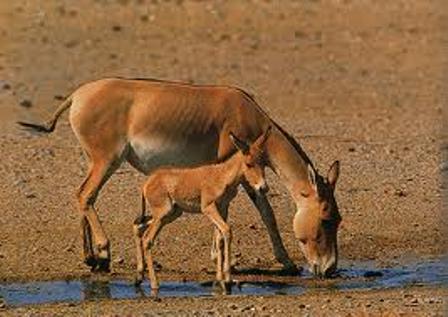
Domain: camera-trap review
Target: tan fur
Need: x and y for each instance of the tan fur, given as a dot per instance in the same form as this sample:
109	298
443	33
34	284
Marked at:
152	123
207	189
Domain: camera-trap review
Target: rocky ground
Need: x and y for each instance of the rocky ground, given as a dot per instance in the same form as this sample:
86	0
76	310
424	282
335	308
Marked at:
358	81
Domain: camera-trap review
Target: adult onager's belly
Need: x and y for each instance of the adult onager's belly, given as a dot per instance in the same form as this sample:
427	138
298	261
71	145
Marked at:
149	152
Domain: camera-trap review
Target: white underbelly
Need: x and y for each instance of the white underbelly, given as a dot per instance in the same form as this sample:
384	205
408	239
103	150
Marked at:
147	154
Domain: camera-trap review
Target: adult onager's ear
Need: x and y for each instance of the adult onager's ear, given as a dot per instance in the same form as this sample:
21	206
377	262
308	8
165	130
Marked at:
312	177
333	173
239	144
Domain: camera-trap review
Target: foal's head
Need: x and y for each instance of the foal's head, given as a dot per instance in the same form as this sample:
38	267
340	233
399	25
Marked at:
253	160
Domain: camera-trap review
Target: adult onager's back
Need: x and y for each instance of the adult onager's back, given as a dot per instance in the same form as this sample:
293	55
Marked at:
152	123
208	189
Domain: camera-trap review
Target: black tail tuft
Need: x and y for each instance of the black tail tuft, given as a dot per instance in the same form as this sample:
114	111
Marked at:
36	127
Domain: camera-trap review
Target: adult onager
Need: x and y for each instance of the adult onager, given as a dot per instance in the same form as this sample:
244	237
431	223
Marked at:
206	189
152	123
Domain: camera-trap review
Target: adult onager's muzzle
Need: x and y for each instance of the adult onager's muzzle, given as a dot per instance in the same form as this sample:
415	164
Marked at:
321	266
325	266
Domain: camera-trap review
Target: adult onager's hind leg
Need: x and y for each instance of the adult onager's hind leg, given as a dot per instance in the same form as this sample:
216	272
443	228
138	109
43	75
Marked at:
267	215
99	173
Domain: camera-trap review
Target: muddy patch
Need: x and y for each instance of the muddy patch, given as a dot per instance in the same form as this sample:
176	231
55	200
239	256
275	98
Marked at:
363	276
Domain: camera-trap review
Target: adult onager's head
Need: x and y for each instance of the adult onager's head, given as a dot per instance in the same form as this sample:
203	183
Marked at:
317	219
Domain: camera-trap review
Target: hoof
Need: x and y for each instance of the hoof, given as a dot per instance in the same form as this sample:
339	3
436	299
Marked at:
138	281
291	270
222	288
227	288
103	266
91	262
155	293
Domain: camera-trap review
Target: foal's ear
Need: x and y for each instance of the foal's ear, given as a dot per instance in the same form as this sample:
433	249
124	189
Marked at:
263	138
333	173
239	144
258	145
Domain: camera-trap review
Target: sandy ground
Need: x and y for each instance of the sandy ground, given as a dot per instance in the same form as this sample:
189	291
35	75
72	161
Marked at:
358	81
409	302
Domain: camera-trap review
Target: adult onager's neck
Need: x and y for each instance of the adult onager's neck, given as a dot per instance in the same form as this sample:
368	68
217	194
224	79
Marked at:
287	159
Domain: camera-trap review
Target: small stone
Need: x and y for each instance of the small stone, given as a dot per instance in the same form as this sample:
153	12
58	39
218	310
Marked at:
117	28
233	306
69	248
400	193
157	266
119	260
302	306
30	195
26	103
252	226
2	304
248	308
351	149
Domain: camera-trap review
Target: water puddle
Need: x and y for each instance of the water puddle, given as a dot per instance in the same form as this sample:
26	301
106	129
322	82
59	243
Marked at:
363	276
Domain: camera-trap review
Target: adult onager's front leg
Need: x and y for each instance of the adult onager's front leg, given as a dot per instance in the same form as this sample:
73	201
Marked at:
267	215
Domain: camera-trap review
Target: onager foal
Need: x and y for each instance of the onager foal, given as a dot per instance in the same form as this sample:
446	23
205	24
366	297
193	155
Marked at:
208	189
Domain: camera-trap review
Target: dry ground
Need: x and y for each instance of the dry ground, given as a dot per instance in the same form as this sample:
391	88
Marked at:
358	81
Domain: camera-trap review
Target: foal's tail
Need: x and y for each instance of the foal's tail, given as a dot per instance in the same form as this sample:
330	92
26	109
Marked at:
49	125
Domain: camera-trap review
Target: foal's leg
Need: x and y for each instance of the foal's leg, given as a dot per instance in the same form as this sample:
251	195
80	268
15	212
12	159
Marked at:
140	225
218	241
213	213
161	217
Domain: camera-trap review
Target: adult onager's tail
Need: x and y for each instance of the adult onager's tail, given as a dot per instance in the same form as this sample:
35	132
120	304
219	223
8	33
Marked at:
50	124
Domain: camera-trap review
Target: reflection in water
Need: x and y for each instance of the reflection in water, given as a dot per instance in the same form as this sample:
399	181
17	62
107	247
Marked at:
363	276
95	290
